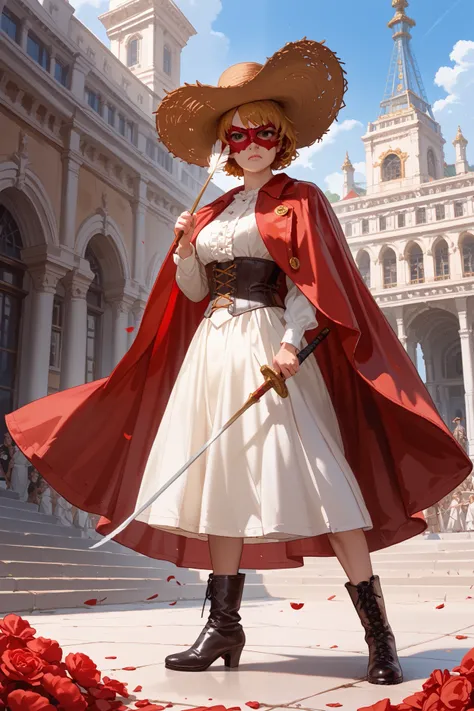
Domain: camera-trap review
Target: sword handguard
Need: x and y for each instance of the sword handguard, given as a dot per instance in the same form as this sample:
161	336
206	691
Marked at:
277	382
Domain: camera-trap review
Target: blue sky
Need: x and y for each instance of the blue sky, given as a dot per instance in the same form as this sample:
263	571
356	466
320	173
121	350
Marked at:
443	43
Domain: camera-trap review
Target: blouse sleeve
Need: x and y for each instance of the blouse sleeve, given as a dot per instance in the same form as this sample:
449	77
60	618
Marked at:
191	276
300	315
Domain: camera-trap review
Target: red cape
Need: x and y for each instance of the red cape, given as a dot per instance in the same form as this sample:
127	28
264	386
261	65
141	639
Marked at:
403	455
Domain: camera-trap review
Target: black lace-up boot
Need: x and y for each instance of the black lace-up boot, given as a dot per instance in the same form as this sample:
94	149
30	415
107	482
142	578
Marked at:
384	667
223	635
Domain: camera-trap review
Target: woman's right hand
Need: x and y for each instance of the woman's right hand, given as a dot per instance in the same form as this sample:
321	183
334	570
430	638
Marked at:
185	223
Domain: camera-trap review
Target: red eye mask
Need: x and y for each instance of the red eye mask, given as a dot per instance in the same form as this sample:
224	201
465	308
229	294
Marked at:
251	135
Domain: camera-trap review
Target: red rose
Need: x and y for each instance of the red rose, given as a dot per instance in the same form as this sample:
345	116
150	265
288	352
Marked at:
22	665
117	686
47	649
456	693
436	680
64	691
21	700
82	669
414	702
15	626
54	669
467	665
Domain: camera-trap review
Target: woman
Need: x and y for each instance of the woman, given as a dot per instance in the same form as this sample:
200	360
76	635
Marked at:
336	468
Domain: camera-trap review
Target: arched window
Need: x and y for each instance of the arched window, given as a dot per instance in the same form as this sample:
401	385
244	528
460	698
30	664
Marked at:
389	269
415	260
95	309
132	52
431	164
363	264
167	60
391	168
11	295
365	226
441	255
468	256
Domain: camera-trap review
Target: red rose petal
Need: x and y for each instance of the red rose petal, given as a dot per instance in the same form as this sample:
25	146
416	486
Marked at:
296	605
331	597
469	597
170	577
127	436
137	688
461	636
152	597
440	607
129	668
142	702
111	657
253	704
178	583
173	603
129	329
92	601
334	705
334	646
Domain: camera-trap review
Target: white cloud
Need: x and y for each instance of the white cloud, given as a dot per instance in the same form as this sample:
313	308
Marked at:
305	157
457	108
457	81
335	181
204	57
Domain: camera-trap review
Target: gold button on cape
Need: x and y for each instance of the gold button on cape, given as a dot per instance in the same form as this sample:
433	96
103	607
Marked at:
281	210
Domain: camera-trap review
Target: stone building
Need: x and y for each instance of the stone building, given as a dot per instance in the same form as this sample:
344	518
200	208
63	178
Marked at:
88	195
411	232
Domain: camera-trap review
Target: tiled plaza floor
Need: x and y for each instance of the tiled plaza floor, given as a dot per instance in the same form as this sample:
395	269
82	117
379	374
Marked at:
291	659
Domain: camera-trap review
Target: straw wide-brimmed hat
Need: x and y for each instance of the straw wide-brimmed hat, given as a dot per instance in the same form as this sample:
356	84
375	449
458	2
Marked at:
305	77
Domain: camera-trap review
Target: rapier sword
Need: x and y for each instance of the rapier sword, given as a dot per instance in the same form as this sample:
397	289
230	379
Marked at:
272	380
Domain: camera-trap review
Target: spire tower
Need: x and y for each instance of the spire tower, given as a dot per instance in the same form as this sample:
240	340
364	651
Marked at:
404	88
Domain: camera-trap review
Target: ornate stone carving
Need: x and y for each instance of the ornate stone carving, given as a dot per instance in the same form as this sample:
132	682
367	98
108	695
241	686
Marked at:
22	160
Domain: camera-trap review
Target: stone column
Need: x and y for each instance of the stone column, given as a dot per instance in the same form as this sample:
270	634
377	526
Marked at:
80	70
455	257
72	161
411	350
52	61
73	360
138	309
45	278
429	368
401	333
467	365
120	309
25	26
139	216
428	264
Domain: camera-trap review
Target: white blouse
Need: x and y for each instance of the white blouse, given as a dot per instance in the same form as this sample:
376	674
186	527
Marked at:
234	233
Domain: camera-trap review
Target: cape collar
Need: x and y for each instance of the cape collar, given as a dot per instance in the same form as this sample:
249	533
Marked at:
274	188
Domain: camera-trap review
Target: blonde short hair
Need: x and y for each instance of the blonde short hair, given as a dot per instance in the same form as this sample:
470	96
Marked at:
260	113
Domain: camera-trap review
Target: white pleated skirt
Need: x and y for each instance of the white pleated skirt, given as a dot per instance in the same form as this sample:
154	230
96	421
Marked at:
278	473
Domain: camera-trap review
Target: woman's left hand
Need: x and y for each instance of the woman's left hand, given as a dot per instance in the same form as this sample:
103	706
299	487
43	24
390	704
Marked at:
286	361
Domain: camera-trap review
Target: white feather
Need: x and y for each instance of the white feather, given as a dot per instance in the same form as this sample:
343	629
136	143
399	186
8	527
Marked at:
218	157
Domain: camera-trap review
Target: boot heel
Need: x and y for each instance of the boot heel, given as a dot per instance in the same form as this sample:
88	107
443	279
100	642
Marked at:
232	658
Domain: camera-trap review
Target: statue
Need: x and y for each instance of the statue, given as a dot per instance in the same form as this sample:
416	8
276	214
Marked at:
459	433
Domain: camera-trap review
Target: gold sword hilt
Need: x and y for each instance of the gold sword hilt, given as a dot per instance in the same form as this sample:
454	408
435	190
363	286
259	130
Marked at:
276	380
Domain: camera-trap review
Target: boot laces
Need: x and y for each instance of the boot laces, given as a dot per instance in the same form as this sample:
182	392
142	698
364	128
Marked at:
208	594
377	627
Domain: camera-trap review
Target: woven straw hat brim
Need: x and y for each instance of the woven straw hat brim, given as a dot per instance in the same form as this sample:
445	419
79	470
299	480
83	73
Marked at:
305	77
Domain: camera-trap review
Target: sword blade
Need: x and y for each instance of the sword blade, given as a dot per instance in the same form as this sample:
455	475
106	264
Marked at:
252	399
153	498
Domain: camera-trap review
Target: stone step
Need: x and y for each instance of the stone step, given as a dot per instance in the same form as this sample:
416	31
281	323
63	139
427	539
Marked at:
324	566
38	569
67	537
29	551
9	494
15	504
88	585
8	512
389	578
28	601
26	525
